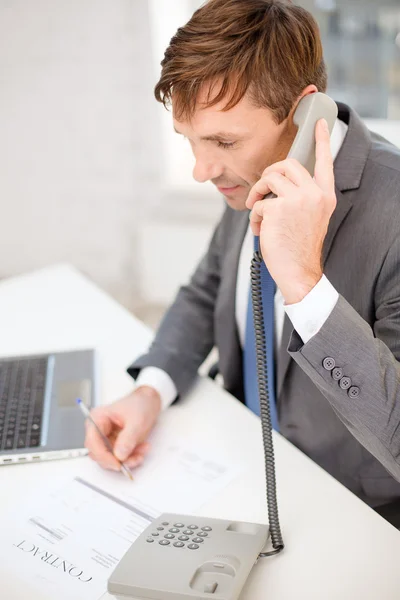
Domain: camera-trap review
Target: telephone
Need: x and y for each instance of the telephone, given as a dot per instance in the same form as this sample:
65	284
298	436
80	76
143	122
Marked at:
181	557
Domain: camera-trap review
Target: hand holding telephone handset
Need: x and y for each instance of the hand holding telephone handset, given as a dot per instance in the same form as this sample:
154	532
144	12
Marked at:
217	557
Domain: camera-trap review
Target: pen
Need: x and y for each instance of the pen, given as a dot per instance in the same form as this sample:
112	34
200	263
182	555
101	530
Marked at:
106	441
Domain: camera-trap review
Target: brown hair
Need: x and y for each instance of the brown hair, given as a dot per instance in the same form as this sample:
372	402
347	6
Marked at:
270	48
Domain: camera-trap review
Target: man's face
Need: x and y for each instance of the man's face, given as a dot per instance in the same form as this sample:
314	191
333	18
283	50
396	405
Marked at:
233	148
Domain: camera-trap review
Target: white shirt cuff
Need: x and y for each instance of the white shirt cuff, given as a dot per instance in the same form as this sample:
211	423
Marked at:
309	315
161	382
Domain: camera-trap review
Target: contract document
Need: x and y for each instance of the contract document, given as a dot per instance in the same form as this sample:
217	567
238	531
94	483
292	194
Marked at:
66	540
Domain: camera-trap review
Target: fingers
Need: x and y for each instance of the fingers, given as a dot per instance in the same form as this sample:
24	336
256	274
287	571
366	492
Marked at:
291	169
257	216
280	178
127	440
324	176
138	455
95	444
126	423
273	182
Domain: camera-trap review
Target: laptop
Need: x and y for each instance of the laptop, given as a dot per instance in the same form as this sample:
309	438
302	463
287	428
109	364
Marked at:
39	418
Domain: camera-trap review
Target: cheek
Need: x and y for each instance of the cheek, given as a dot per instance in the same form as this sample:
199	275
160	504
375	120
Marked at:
251	165
242	170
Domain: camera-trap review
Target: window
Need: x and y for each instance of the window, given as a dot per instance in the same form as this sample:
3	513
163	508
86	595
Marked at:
361	40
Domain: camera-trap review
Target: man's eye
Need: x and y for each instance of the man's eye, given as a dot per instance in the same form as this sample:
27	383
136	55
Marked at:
225	144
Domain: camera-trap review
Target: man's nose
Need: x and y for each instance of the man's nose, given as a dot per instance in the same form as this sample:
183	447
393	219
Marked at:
206	169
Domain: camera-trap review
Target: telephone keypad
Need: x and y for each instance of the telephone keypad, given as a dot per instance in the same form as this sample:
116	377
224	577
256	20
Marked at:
186	531
193	546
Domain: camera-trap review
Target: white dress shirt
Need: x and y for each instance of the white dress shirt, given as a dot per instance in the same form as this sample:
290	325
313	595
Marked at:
307	316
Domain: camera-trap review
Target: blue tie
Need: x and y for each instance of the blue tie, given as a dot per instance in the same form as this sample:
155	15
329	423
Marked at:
249	352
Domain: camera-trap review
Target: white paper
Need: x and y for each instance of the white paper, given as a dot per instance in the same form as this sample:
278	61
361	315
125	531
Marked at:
67	541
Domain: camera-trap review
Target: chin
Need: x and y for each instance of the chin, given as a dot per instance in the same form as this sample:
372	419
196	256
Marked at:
236	202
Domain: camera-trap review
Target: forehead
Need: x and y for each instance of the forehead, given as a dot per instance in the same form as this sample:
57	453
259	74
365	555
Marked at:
244	117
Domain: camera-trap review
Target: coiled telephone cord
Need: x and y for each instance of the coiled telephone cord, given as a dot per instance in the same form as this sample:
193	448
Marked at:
262	375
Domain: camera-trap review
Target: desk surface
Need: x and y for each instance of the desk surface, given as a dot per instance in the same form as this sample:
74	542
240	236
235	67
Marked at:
336	547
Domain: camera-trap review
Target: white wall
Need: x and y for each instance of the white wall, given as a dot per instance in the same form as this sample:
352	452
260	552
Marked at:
78	149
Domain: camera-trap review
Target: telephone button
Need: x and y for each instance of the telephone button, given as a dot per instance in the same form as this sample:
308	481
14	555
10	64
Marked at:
160	528
150	540
179	525
184	538
198	540
169	536
188	532
179	544
155	534
202	534
174	530
165	523
206	528
193	546
192	527
164	542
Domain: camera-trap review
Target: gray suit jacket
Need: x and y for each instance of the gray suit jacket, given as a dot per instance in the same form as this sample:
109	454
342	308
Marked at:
357	439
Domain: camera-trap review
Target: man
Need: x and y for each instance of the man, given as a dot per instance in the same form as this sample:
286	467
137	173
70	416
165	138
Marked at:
234	76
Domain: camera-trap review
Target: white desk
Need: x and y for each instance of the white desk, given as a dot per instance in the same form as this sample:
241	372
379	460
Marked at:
336	547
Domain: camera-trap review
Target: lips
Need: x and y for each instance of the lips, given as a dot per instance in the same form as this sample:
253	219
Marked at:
227	190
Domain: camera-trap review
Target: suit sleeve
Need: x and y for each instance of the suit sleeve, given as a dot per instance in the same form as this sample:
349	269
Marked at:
186	334
357	367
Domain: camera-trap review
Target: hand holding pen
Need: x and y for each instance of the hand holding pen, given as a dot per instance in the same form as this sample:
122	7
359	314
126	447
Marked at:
126	424
106	441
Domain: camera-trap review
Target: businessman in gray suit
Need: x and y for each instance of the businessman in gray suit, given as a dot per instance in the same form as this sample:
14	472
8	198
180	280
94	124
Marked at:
331	244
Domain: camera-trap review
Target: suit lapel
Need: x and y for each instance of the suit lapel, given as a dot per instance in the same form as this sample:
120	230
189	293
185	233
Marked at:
343	206
230	358
283	356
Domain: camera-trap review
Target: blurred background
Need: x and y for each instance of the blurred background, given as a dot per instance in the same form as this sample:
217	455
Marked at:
91	172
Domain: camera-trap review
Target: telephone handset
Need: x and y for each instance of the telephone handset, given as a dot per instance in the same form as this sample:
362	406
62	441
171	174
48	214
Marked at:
181	557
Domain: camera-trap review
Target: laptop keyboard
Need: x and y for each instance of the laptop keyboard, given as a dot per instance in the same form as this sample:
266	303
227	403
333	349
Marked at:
22	389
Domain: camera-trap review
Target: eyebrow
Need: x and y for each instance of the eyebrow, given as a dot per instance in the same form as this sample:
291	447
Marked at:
216	137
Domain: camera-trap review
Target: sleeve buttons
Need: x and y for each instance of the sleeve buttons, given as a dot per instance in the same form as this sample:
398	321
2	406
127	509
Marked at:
354	391
345	383
329	363
337	373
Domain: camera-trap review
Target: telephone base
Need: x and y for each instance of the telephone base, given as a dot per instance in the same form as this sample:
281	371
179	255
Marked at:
181	557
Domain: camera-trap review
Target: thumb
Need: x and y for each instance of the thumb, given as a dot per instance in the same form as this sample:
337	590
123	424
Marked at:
126	442
323	173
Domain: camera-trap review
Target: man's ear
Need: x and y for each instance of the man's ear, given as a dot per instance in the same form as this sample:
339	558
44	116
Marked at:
310	89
